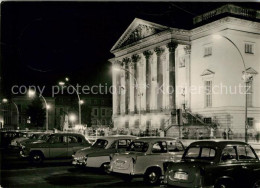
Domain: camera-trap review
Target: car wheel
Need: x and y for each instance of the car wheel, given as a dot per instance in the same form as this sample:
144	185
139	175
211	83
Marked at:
257	184
105	168
36	157
152	176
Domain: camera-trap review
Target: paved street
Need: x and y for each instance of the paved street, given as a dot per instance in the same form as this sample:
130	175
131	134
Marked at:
19	173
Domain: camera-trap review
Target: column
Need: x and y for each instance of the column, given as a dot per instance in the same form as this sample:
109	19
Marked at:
148	55
159	91
122	89
118	86
172	92
114	91
135	60
131	88
127	84
187	50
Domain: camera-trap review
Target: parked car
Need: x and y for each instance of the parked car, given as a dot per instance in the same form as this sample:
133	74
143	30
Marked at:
36	138
59	145
98	155
145	157
6	137
215	164
25	136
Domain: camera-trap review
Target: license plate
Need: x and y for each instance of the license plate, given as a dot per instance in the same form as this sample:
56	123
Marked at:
181	176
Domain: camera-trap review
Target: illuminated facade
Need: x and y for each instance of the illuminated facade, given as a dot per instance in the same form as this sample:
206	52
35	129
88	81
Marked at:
159	69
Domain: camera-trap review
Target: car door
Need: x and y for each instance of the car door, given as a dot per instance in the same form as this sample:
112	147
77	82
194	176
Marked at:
59	146
249	165
229	166
75	143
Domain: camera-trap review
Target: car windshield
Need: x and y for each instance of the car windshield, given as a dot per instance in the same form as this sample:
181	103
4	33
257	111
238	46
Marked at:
202	153
138	146
100	143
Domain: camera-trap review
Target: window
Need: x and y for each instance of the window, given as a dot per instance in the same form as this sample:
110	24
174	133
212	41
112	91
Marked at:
95	102
245	152
72	139
250	122
207	51
207	120
174	146
159	147
122	144
193	153
103	112
207	153
228	154
95	112
249	48
137	124
208	93
102	102
249	90
127	125
138	147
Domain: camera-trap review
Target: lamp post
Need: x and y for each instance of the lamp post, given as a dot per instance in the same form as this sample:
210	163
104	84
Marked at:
17	110
246	77
80	102
116	68
32	93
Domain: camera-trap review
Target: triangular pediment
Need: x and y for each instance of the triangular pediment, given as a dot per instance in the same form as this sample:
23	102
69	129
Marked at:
138	30
250	70
207	72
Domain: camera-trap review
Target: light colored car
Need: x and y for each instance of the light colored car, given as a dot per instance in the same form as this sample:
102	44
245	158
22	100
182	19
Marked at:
145	157
36	138
98	155
59	145
23	136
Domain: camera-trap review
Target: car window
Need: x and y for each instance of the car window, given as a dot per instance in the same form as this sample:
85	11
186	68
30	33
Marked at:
229	154
207	153
193	152
58	139
159	147
138	146
113	146
122	144
174	146
72	139
100	143
245	152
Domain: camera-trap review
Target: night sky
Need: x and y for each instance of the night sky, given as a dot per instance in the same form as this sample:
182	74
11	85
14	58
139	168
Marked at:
43	42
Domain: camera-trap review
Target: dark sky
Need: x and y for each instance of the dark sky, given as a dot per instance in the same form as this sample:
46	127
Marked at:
43	42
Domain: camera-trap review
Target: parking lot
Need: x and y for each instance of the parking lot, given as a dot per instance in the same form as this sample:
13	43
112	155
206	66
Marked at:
16	172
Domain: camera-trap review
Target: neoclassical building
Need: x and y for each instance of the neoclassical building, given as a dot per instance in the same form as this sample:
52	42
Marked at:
158	69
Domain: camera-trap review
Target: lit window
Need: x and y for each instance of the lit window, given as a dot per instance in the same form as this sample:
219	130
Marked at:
207	51
208	93
249	48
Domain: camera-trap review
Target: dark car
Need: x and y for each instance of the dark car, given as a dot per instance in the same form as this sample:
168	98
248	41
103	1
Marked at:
215	164
59	145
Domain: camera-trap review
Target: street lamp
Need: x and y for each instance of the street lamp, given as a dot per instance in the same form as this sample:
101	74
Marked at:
80	102
31	94
247	77
116	68
17	110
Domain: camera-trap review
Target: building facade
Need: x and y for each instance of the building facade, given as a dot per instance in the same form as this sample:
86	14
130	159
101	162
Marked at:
15	116
158	69
96	111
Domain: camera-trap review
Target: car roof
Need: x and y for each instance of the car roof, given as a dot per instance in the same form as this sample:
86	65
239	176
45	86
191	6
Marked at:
114	137
219	143
71	134
155	139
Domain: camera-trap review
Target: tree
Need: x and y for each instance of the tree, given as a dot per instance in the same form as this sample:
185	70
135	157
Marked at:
36	112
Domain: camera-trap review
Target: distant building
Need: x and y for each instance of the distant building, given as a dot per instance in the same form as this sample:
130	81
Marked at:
96	111
165	68
10	113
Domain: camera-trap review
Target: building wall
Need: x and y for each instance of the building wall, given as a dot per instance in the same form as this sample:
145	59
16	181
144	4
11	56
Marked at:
228	86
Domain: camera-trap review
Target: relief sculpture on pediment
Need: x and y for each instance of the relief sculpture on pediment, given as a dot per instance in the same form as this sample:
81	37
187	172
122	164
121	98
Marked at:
139	33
